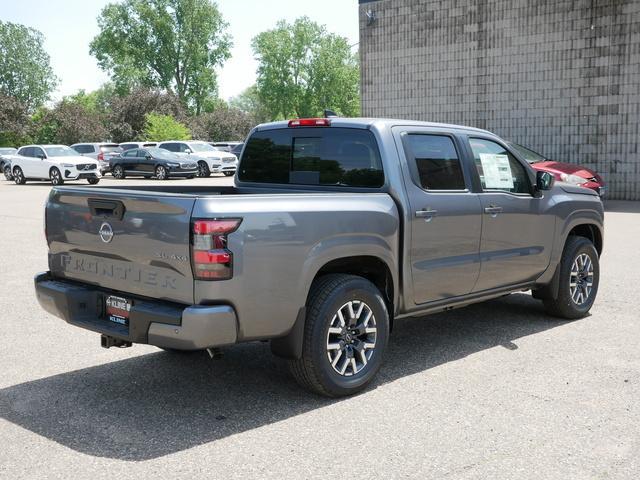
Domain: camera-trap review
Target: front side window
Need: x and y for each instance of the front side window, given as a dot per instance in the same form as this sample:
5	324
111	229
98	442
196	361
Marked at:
131	152
39	153
436	161
327	156
498	169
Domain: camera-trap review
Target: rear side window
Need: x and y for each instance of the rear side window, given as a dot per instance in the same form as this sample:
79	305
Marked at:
436	161
313	156
83	148
172	147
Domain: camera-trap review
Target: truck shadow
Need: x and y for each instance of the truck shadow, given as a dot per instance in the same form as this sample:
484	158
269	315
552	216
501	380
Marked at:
161	403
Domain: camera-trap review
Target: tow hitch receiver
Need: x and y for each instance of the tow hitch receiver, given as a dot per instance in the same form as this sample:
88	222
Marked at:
108	342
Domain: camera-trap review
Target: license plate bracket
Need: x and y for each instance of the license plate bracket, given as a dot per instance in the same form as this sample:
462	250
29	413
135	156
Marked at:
117	310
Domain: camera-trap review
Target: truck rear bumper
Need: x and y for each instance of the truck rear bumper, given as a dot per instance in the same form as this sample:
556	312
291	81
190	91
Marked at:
163	324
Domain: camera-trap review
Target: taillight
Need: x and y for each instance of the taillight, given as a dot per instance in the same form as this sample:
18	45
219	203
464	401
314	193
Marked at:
310	122
101	157
210	257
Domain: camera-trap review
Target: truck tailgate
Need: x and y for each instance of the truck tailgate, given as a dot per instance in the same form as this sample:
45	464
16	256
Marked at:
129	241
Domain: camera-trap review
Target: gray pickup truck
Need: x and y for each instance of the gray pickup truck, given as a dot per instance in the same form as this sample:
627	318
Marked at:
334	228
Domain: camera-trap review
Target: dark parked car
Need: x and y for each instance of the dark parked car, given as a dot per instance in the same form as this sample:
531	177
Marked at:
562	171
152	162
5	161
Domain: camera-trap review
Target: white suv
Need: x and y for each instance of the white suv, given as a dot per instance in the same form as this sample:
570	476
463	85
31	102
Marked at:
210	160
57	163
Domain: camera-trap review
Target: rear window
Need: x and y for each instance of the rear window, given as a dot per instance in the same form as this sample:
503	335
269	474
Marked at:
110	148
313	156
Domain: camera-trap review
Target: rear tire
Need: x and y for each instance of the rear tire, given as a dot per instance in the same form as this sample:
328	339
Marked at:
118	172
56	177
579	280
93	181
7	173
203	169
18	176
345	336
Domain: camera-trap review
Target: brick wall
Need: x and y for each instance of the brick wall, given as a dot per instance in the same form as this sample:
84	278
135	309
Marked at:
562	77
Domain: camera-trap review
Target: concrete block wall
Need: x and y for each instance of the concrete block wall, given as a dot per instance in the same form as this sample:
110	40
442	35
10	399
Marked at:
561	76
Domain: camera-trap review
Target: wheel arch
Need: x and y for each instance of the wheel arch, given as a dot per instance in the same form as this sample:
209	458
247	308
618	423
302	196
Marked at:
372	267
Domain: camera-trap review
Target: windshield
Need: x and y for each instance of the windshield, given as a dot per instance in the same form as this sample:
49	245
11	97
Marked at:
201	147
529	155
61	151
161	153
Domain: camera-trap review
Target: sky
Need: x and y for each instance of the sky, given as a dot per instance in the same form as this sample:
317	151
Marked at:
70	25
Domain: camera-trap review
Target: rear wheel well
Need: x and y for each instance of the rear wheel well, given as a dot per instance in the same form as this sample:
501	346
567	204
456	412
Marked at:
372	268
589	232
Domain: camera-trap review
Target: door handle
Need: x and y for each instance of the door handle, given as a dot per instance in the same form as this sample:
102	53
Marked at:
493	210
426	213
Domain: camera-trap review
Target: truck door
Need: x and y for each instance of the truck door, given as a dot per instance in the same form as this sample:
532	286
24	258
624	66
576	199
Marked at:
445	225
516	235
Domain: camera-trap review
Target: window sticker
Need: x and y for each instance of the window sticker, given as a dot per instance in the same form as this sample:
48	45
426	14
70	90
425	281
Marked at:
497	171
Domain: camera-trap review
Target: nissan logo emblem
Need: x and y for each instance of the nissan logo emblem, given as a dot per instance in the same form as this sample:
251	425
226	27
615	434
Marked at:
106	232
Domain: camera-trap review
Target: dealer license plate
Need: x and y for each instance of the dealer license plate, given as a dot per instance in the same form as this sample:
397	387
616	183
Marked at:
117	310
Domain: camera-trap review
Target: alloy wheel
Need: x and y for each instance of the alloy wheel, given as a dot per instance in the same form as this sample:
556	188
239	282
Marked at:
581	279
351	339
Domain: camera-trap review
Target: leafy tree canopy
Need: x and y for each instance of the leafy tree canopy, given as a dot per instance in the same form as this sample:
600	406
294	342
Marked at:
174	45
303	69
25	72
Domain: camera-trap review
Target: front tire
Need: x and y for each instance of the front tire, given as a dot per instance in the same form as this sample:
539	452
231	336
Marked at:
579	280
118	172
56	177
93	181
18	176
161	173
203	169
345	336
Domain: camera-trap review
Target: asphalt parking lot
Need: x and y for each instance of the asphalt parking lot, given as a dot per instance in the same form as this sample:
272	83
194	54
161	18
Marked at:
496	390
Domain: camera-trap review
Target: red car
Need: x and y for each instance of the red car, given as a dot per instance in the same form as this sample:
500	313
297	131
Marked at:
563	172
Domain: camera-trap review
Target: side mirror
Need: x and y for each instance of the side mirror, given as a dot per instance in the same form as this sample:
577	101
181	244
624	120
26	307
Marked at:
188	150
41	156
149	157
544	181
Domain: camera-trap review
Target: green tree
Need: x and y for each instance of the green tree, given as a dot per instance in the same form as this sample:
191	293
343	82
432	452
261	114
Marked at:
127	114
223	124
249	102
159	128
14	122
25	72
303	69
69	122
174	45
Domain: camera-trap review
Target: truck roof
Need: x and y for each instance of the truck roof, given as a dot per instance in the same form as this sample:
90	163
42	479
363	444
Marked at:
379	122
